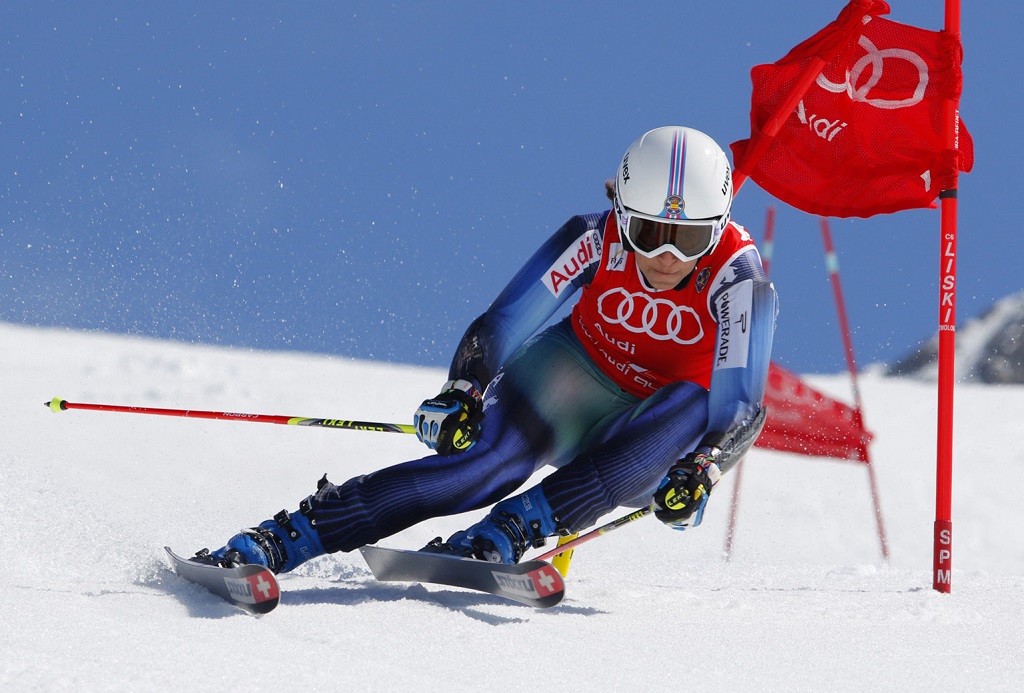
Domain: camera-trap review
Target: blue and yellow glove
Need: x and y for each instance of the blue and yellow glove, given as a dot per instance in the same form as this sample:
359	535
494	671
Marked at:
450	422
680	499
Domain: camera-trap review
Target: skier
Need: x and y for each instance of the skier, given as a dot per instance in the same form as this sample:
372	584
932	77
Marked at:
643	396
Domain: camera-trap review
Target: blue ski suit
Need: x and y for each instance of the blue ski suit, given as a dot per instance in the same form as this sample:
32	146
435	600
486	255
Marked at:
577	397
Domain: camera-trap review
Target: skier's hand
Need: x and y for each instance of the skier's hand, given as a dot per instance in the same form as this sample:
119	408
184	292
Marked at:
680	499
450	422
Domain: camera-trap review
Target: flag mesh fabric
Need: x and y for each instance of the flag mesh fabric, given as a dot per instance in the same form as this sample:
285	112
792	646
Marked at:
867	137
807	422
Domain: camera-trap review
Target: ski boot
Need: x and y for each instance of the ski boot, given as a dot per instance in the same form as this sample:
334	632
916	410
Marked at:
513	526
280	544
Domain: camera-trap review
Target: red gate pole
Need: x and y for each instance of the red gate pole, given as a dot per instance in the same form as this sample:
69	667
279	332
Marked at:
943	531
832	264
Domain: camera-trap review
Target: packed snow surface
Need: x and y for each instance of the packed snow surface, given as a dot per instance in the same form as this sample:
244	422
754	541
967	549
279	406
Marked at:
805	603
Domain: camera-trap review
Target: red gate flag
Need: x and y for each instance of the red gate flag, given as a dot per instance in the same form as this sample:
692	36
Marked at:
804	421
867	136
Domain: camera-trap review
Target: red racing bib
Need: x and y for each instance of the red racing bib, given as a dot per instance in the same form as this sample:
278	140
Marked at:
642	338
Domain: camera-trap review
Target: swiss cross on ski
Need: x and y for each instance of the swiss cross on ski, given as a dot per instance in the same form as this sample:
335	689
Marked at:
536	584
252	589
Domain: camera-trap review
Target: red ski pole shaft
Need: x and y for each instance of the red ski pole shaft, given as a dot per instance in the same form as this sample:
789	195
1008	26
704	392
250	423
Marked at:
57	405
595	533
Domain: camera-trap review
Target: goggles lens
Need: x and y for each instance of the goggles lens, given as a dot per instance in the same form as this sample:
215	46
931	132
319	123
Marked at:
650	237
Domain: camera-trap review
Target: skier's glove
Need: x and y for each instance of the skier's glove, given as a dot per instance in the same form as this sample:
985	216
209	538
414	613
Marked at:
450	422
680	499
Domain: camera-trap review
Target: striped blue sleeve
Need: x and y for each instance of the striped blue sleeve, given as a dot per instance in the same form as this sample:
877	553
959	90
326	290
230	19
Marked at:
746	306
566	262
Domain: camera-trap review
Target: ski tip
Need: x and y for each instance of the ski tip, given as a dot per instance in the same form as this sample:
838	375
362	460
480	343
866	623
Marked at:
548	584
532	583
251	588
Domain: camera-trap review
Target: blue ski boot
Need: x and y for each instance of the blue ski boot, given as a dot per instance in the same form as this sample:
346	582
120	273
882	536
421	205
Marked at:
513	526
280	544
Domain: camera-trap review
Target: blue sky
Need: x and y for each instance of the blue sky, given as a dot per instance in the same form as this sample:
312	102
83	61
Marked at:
362	178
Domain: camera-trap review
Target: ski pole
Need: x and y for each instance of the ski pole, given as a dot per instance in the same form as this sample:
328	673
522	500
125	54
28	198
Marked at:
595	533
57	405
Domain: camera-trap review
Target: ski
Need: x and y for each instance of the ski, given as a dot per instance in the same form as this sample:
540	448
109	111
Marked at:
533	583
249	587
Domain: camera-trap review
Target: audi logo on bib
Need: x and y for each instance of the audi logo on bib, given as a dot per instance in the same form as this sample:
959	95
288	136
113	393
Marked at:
658	318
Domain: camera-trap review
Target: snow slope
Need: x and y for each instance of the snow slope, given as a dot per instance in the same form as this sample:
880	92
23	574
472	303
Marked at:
87	601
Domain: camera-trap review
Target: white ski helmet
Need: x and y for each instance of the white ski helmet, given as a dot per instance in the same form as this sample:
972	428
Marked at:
673	192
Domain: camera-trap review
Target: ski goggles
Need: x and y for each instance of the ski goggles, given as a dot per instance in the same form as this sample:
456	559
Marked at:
687	239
